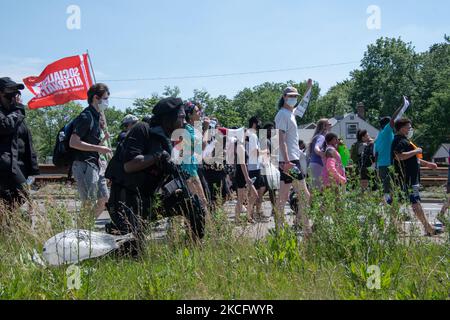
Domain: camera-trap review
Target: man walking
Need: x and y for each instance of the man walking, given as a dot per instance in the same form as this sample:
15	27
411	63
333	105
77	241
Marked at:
290	168
86	140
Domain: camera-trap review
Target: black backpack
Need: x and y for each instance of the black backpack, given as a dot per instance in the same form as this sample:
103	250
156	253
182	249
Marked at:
367	157
63	154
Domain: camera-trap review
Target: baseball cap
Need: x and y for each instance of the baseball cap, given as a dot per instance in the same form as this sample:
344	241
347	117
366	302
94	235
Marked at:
129	118
167	105
291	91
7	84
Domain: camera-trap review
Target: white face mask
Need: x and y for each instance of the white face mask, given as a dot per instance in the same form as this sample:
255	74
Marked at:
410	133
103	104
291	102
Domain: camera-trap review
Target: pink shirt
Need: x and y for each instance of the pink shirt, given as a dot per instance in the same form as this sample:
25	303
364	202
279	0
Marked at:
333	169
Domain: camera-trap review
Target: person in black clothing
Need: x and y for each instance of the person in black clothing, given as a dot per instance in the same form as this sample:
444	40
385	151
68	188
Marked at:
147	147
363	157
86	141
146	162
213	168
127	123
268	151
18	160
407	166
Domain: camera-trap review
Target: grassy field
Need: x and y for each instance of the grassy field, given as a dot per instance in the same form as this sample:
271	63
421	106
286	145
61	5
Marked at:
352	233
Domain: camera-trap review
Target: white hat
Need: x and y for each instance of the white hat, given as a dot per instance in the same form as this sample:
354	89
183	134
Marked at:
129	118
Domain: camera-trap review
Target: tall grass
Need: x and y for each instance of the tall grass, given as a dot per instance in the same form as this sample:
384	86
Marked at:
352	231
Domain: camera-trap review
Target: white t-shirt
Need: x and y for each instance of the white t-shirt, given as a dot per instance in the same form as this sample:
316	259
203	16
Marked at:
285	121
303	163
253	151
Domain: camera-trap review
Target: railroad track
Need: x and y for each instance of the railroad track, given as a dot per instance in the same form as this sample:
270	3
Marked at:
50	173
433	178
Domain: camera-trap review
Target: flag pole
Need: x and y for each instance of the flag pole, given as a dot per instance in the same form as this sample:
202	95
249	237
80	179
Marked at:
108	141
90	64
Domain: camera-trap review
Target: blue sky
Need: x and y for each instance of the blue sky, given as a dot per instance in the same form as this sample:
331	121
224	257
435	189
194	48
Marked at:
147	39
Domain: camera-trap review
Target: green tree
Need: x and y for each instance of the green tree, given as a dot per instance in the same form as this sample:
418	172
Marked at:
171	92
143	106
114	119
225	112
387	72
45	124
204	98
432	120
337	101
263	100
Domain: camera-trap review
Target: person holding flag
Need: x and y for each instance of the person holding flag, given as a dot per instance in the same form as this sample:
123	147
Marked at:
86	140
63	81
383	145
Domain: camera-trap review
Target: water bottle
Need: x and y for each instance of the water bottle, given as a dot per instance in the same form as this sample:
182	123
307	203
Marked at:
30	181
62	135
295	173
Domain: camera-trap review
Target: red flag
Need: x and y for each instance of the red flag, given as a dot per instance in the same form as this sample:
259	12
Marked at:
62	81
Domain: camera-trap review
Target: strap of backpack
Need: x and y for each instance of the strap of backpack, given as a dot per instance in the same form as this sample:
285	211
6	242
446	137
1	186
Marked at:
91	126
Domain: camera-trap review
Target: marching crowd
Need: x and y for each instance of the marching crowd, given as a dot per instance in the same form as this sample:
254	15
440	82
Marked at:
191	163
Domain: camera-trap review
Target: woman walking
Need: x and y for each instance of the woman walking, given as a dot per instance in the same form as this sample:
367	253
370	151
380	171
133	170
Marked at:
317	154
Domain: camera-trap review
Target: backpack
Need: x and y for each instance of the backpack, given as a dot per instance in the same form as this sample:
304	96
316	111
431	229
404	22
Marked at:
354	154
63	154
367	157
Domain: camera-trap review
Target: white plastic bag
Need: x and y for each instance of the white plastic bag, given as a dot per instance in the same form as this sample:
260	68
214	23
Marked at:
73	246
273	175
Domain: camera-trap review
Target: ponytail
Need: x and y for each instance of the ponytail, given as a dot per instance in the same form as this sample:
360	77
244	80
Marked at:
281	102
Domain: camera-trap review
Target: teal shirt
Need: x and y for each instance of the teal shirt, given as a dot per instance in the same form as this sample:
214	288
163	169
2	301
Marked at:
383	146
189	163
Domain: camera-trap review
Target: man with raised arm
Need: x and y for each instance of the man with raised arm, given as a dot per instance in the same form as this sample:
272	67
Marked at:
289	157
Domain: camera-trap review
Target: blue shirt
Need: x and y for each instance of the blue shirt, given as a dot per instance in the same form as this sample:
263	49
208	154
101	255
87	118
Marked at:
317	142
189	164
383	146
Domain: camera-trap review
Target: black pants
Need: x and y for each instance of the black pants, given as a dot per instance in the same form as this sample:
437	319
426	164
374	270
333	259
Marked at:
128	209
217	184
13	191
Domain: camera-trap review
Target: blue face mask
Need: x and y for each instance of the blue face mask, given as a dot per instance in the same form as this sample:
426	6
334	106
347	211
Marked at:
292	102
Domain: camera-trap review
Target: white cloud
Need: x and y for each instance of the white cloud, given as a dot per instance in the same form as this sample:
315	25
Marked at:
18	68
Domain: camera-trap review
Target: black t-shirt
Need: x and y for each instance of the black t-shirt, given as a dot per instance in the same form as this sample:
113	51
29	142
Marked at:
407	170
121	136
145	140
88	119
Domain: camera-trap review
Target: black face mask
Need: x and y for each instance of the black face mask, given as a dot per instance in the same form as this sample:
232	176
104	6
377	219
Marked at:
11	97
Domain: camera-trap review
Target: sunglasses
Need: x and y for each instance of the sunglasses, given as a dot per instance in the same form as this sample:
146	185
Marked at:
11	95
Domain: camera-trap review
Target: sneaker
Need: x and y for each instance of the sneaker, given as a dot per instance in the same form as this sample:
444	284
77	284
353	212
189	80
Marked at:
260	217
441	218
436	231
